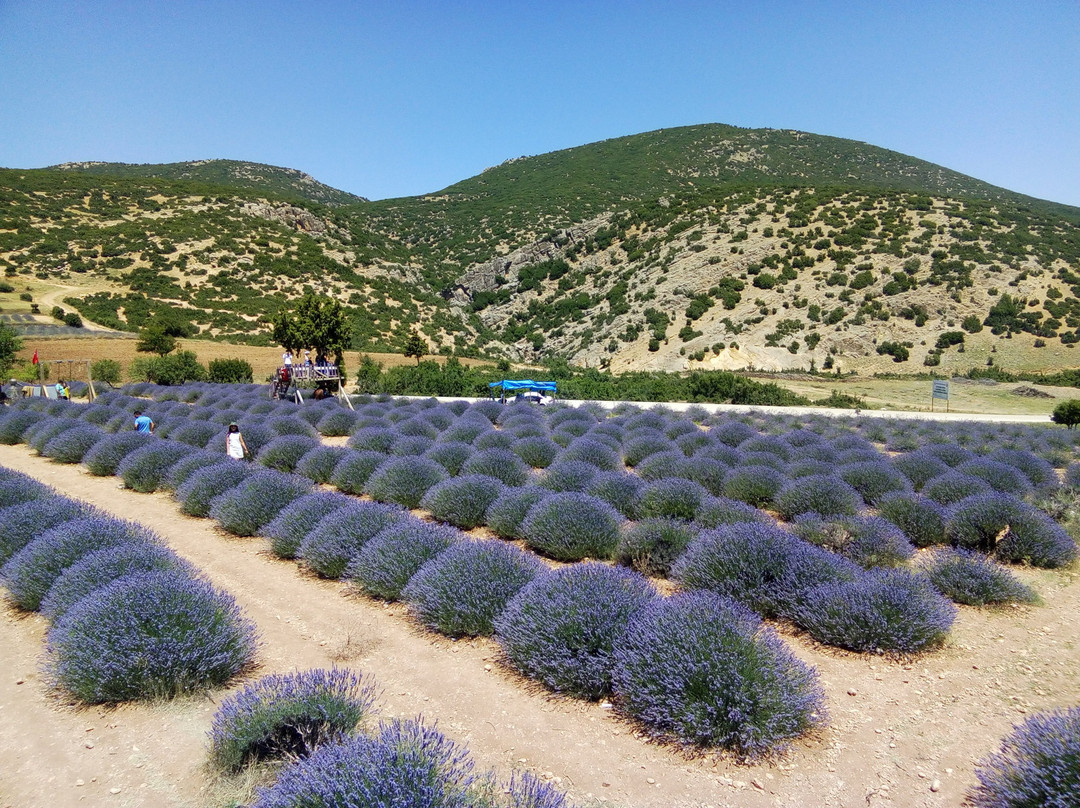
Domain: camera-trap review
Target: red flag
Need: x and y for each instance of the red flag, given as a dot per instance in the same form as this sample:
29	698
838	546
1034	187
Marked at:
34	361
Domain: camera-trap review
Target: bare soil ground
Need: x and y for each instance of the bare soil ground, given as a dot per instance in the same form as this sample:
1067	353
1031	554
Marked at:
901	732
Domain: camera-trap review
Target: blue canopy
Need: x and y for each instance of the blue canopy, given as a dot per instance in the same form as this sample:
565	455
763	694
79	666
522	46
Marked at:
524	384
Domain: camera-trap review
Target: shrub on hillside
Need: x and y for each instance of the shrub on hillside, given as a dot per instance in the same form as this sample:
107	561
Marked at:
353	471
32	570
572	526
292	523
149	635
505	515
562	628
703	670
20	524
337	539
256	500
920	519
102	567
287	717
881	610
461	591
229	371
462	501
974	580
822	494
106	455
385	564
146	468
1037	765
652	545
404	480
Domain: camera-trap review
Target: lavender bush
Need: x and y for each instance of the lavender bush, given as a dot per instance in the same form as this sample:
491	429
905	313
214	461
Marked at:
30	572
594	452
869	541
204	484
821	494
102	567
1034	538
1039	472
406	764
14	423
920	519
505	514
1038	765
672	498
106	455
149	635
618	489
337	423
873	479
758	565
256	500
755	485
198	434
999	476
284	452
72	445
562	628
338	537
319	462
404	480
974	580
145	469
665	464
882	610
354	470
385	564
20	524
571	526
289	716
19	489
292	523
652	545
461	591
373	439
571	475
641	446
703	670
462	501
502	464
538	451
950	488
718	511
451	456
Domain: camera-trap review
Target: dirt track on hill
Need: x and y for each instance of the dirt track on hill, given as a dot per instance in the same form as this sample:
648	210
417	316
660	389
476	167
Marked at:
901	733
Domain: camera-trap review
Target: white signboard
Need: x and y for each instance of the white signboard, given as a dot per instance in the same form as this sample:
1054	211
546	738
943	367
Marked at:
941	389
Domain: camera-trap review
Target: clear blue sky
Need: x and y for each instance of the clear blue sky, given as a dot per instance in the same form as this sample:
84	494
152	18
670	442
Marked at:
404	97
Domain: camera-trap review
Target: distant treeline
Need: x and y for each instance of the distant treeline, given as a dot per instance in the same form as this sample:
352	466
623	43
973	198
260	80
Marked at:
452	378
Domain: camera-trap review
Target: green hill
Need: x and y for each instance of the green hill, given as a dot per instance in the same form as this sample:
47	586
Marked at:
705	246
285	182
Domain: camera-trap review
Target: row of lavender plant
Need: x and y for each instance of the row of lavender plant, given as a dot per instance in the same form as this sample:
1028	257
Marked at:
129	619
553	625
321	724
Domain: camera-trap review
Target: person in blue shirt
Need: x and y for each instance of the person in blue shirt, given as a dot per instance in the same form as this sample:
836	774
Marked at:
143	423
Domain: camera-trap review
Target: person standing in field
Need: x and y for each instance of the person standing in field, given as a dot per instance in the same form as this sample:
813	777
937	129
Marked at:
143	423
234	443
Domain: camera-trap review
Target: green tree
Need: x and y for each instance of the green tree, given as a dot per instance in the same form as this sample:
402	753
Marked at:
106	370
230	371
10	344
369	376
314	322
1067	413
153	339
416	346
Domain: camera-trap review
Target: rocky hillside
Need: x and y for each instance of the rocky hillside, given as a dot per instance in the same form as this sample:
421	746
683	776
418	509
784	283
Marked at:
702	246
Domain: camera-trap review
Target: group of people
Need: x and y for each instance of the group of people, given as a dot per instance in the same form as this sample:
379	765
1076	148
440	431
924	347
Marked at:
235	447
63	392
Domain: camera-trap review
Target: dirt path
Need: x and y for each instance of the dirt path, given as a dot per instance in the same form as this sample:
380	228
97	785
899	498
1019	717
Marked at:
900	734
